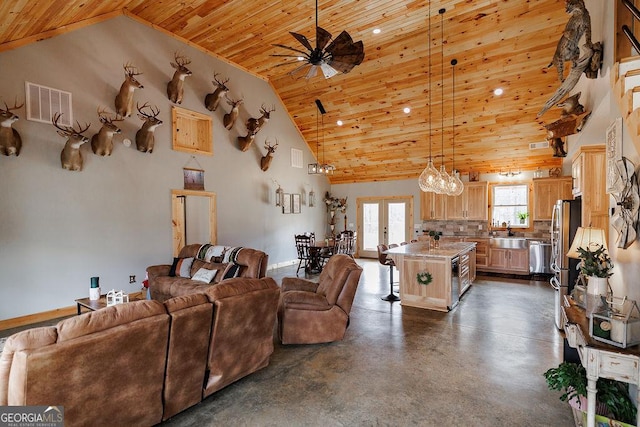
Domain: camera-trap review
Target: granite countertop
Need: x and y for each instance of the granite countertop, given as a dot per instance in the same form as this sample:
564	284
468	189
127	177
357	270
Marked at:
421	249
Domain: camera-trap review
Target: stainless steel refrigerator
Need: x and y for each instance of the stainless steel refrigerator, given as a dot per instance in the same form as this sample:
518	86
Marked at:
565	220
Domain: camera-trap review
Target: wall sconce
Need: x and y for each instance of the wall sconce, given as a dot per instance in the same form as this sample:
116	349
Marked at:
279	194
312	198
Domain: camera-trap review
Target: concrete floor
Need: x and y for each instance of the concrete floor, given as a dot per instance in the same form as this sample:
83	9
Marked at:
478	365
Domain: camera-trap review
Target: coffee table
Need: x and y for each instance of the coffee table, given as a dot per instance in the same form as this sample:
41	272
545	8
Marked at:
93	305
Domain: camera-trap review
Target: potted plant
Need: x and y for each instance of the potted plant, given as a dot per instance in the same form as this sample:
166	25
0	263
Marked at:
596	266
612	397
522	216
435	235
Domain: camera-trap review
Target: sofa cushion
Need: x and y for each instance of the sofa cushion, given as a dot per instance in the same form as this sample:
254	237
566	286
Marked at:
181	267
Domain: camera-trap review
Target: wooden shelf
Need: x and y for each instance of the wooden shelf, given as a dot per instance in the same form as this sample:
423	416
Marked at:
192	131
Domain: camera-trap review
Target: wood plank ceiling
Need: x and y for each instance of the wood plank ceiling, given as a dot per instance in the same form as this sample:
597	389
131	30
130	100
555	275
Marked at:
501	43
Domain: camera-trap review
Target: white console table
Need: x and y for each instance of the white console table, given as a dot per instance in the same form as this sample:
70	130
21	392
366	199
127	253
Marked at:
599	359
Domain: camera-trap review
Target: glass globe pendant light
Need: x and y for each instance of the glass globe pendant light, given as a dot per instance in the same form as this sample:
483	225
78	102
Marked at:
442	184
455	184
429	176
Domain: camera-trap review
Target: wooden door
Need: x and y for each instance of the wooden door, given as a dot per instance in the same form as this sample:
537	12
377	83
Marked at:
498	258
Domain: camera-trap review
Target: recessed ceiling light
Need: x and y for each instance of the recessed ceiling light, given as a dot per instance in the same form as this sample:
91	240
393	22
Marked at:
406	110
498	91
377	31
339	122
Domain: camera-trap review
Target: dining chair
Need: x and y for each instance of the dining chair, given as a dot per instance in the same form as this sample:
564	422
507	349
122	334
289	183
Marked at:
303	242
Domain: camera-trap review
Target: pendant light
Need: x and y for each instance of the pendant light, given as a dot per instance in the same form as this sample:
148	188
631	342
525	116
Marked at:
442	184
456	186
320	168
429	175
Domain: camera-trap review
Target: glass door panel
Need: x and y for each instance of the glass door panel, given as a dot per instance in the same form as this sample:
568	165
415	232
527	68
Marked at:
383	220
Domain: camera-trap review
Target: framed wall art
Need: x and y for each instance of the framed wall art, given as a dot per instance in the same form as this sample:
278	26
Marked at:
613	149
193	179
286	203
295	203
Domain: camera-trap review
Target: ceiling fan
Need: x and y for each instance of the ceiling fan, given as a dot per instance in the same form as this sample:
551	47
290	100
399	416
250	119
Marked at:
339	56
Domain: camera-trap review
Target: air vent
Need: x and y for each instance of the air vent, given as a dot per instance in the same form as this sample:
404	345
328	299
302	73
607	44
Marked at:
43	102
296	158
538	145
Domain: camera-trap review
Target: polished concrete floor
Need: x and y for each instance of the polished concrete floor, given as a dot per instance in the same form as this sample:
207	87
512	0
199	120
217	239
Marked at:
478	365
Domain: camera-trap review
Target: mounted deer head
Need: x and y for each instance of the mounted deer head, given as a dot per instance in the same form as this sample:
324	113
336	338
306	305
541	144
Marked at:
212	100
10	141
175	88
71	157
124	98
229	119
265	161
244	142
102	142
144	137
254	125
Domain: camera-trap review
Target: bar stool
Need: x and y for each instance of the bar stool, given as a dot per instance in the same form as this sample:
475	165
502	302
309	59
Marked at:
385	260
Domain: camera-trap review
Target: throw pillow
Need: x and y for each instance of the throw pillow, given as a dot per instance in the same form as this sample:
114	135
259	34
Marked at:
181	267
232	270
204	275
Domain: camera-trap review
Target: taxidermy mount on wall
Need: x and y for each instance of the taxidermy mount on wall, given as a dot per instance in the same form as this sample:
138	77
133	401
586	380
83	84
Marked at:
10	141
71	157
145	136
175	88
124	98
212	100
102	142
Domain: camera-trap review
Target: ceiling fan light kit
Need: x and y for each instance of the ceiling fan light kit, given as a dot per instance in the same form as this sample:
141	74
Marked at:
320	168
339	55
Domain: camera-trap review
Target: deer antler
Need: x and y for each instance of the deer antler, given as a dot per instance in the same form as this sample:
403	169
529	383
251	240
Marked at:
233	102
104	117
265	111
68	130
271	148
154	113
220	82
15	105
131	70
181	60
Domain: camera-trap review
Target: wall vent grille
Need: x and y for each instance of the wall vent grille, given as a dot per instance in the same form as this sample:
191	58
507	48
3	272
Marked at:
538	145
296	158
43	102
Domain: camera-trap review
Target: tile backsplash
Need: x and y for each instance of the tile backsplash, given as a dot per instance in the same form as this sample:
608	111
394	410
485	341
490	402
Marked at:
541	229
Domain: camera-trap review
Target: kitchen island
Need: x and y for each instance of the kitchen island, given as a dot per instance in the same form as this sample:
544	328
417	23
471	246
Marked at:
434	278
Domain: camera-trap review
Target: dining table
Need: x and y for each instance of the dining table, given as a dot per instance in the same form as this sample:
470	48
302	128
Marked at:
316	255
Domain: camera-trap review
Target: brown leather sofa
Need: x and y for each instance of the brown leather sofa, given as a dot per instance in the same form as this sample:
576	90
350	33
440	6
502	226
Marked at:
251	263
142	362
309	312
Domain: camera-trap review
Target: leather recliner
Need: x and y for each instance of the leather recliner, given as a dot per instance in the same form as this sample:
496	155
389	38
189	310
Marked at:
309	312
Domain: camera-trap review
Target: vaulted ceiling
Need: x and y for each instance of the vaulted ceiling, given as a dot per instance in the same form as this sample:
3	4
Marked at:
500	43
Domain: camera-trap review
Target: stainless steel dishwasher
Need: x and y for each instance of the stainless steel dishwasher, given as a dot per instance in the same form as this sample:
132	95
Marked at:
539	257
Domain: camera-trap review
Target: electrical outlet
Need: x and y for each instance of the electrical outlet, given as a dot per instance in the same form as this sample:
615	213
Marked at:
480	227
132	278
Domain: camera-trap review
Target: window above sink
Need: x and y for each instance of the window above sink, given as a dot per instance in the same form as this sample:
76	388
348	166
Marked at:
510	206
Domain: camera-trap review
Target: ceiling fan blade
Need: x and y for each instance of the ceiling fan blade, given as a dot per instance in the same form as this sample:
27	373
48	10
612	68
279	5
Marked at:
295	61
297	69
322	38
302	39
293	49
312	72
328	70
345	54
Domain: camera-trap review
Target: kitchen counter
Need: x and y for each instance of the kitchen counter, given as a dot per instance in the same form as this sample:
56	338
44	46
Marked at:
428	276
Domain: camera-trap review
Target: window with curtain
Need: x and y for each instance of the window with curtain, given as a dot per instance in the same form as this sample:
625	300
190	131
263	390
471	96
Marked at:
510	206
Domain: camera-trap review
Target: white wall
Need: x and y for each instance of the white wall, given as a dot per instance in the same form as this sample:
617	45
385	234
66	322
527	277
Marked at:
59	228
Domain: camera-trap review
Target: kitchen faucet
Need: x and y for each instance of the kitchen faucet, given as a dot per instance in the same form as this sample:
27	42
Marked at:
510	233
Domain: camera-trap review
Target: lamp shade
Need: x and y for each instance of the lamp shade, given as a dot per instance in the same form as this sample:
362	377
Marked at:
587	238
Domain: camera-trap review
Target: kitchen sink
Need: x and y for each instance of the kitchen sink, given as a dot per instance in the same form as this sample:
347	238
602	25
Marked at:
508	242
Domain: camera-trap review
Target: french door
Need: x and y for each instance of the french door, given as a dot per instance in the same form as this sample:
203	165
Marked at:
383	220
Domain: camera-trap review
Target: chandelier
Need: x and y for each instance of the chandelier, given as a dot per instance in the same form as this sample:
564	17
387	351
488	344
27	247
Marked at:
432	180
320	168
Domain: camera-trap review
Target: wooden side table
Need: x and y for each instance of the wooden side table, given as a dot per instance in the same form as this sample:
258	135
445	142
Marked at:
599	359
93	305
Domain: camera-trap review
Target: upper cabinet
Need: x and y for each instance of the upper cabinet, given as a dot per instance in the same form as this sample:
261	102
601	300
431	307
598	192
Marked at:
589	179
471	204
431	206
546	191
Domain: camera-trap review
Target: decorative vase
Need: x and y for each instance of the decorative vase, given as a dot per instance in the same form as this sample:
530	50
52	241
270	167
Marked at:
597	285
436	243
